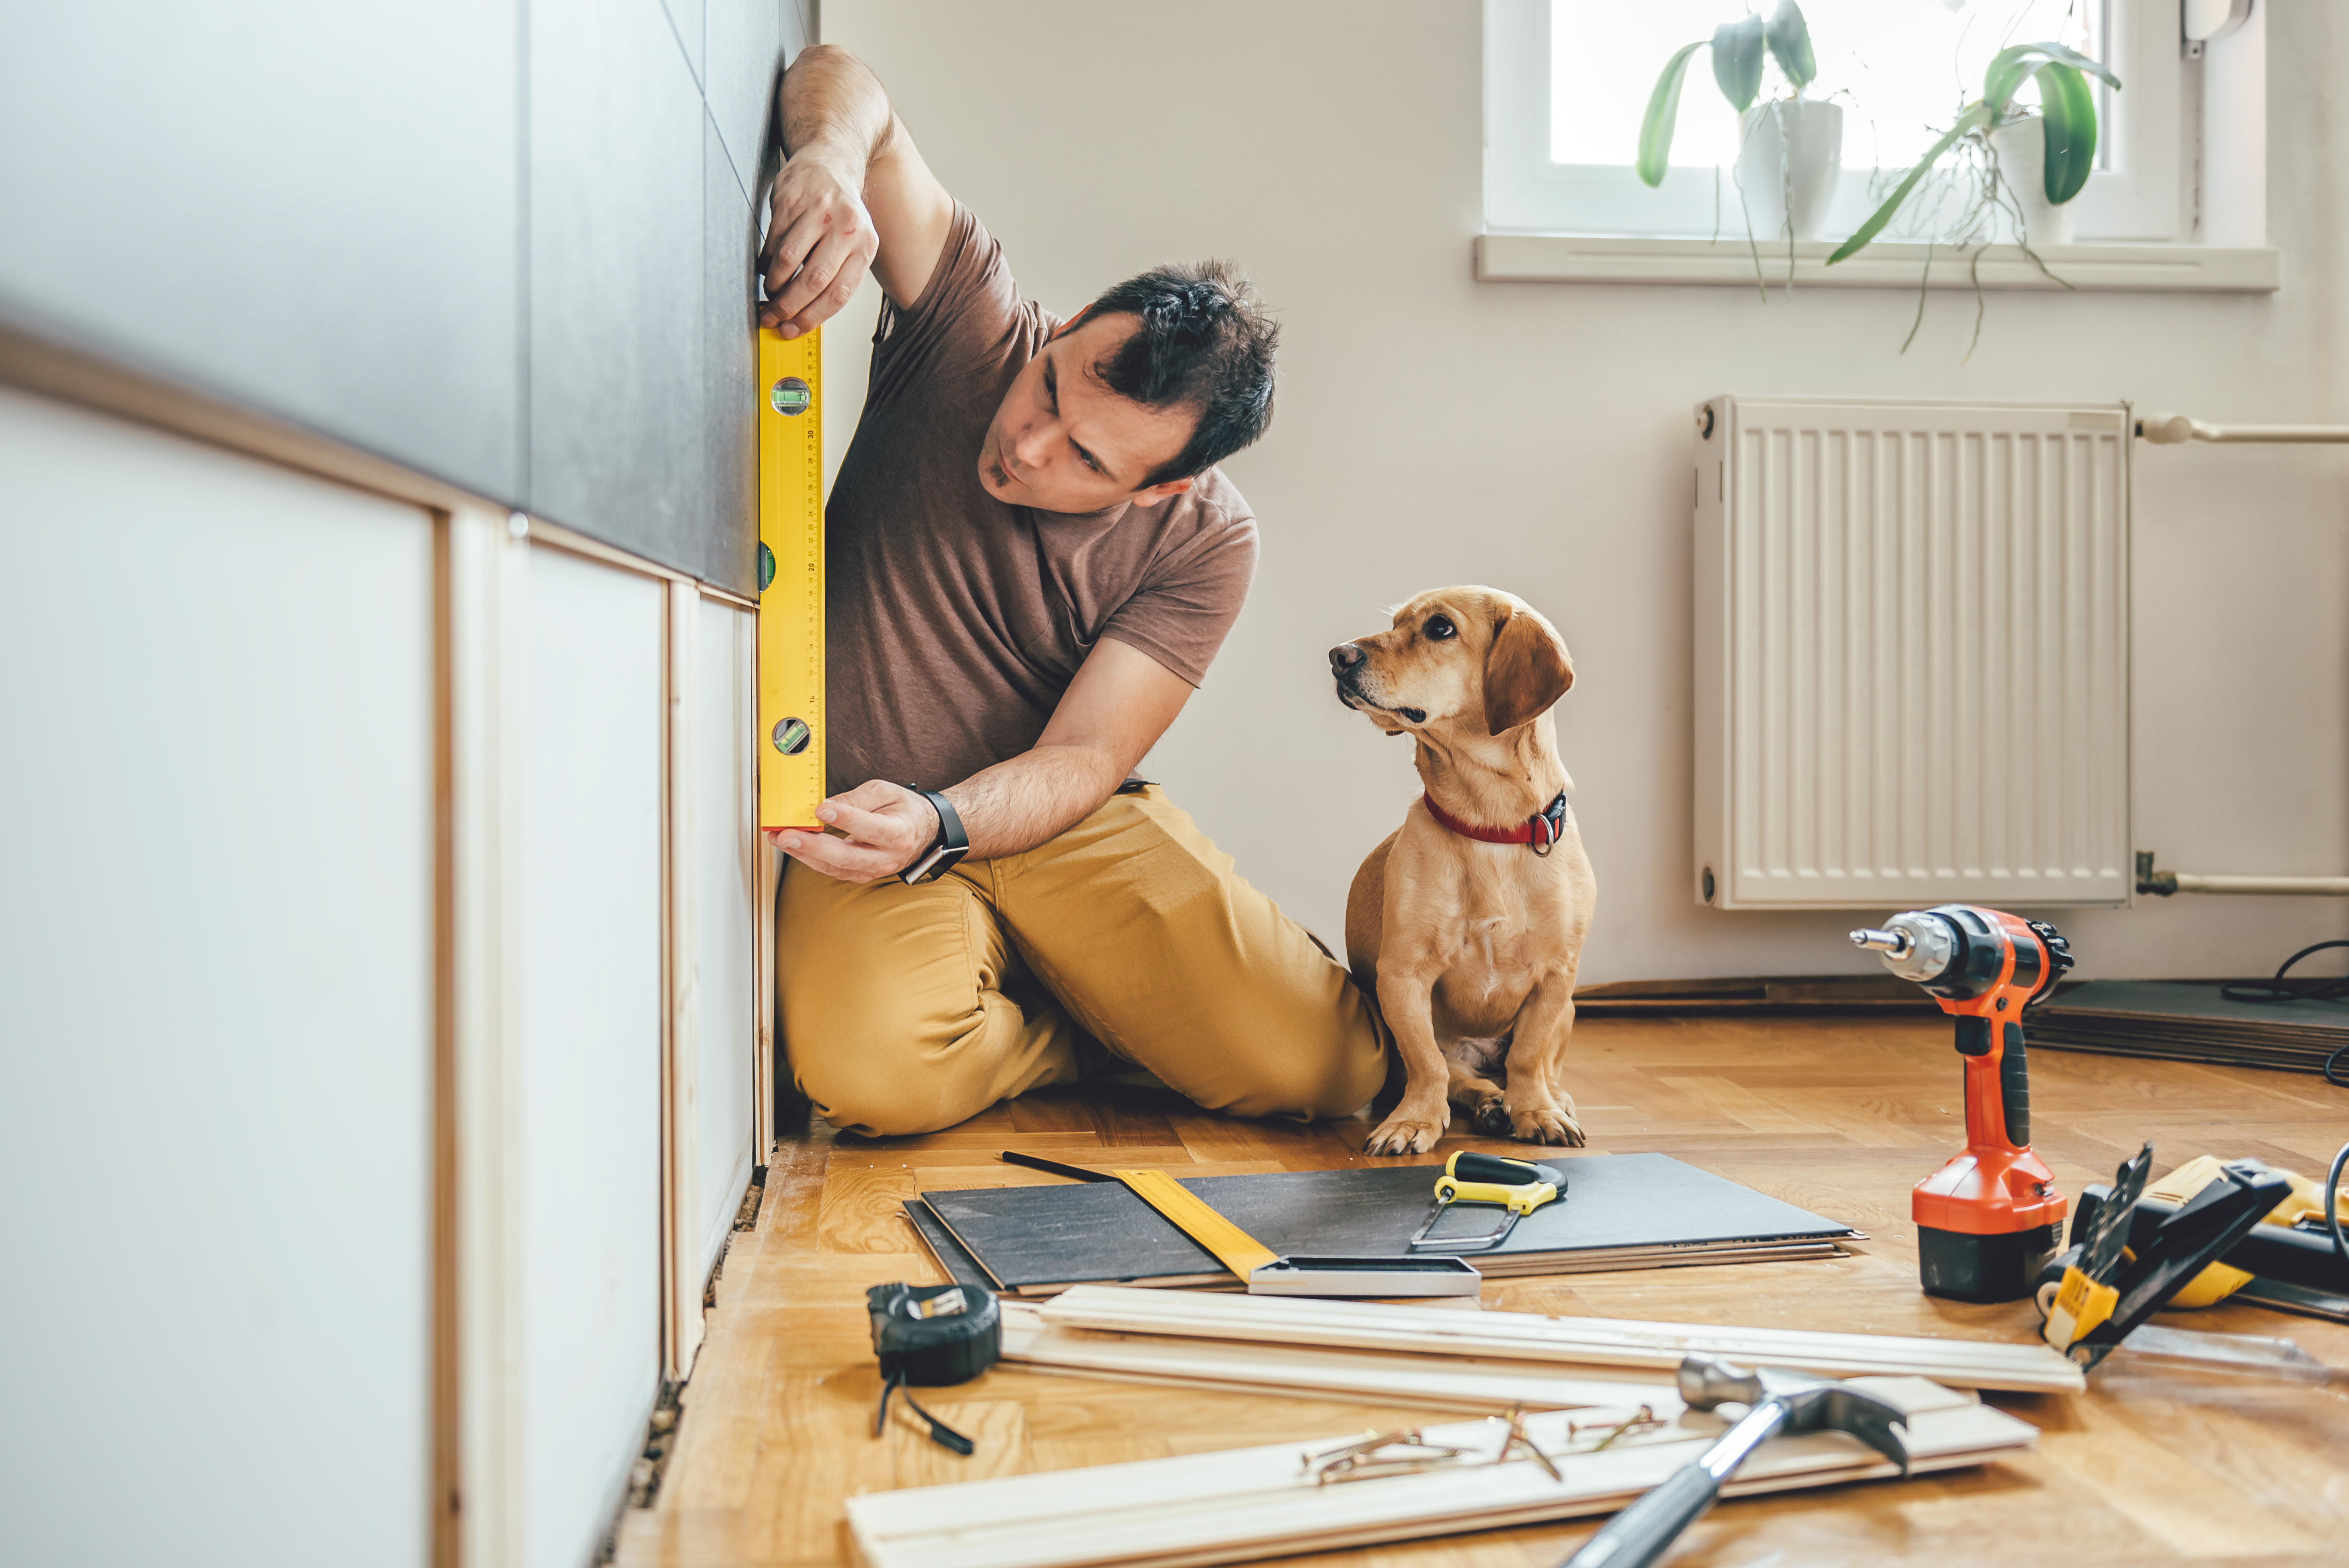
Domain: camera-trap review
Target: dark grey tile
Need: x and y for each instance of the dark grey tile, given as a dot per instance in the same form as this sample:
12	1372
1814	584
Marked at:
745	56
615	269
310	210
730	427
686	16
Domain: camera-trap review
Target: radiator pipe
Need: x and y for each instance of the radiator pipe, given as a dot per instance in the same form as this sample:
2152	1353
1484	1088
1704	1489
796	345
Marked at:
2175	430
2162	884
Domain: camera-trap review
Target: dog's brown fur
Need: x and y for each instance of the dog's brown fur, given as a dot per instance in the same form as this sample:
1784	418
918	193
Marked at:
1459	939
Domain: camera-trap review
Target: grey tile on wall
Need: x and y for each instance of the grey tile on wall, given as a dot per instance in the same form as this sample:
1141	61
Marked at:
310	210
615	268
729	357
686	16
745	55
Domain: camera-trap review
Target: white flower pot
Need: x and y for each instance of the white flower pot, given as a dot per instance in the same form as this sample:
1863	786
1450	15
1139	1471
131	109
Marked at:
2022	149
1800	181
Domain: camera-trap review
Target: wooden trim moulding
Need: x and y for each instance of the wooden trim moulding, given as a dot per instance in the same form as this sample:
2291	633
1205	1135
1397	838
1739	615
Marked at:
482	587
1605	1342
681	1279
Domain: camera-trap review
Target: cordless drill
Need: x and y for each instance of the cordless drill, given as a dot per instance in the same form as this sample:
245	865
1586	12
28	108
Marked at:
1987	1221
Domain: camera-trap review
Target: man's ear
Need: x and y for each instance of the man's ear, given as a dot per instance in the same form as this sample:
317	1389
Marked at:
1526	670
1152	494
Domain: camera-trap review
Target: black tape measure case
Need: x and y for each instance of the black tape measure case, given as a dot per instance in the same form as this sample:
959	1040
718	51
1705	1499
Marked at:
933	1335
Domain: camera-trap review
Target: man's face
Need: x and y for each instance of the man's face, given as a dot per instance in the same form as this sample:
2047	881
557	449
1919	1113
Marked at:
1063	442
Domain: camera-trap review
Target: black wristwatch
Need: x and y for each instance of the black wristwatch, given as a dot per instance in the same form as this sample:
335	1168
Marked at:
946	851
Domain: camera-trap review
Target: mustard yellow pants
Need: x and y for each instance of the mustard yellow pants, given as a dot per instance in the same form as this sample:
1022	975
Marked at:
1126	939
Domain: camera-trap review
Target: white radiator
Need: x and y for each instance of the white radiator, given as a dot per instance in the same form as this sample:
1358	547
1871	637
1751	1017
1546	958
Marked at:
1912	653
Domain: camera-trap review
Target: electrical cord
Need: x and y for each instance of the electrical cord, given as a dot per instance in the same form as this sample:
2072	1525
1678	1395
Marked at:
2332	1206
2313	988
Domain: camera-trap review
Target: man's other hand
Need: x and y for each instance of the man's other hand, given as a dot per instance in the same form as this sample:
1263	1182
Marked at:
820	244
886	828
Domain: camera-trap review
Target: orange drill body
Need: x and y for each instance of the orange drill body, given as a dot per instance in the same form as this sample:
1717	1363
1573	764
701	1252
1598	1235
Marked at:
1989	1218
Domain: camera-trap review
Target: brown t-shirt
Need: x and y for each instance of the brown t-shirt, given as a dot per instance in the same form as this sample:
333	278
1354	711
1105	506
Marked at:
956	620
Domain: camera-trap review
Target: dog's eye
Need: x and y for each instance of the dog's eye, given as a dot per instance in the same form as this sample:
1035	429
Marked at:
1439	628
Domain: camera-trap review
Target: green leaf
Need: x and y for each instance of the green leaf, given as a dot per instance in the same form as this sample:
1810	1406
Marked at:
2067	111
2010	67
1737	61
1972	119
1789	37
1663	115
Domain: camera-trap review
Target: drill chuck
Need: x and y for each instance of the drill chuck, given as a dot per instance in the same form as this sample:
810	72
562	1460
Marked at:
1917	946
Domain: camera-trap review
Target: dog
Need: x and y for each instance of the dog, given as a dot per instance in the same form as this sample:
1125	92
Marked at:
1470	946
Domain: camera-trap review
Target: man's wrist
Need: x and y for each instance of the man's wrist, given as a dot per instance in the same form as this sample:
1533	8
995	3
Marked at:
835	156
945	847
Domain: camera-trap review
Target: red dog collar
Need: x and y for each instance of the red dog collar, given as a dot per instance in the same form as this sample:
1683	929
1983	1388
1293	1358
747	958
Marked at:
1540	830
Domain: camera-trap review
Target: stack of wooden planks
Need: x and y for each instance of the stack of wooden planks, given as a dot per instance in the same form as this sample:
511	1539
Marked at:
1245	1504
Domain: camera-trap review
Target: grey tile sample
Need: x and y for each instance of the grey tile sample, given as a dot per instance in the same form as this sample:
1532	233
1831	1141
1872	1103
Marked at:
615	280
309	210
729	541
1647	1204
745	56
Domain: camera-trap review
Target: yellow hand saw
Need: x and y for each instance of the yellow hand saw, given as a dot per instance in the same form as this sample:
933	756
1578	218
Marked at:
791	579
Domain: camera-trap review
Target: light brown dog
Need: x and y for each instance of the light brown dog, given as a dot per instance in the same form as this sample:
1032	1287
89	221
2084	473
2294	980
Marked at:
1464	941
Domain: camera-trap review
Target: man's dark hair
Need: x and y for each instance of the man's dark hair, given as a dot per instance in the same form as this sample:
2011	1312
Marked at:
1204	343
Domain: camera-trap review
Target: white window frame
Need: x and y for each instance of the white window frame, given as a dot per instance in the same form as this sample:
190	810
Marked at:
2139	198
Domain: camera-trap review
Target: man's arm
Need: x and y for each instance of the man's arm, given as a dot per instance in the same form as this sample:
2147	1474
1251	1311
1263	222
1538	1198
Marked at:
853	194
1112	715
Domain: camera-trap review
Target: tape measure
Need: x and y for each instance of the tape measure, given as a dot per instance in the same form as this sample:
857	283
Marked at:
930	1335
791	579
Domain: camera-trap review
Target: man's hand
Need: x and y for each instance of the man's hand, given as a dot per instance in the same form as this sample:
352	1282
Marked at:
887	826
820	241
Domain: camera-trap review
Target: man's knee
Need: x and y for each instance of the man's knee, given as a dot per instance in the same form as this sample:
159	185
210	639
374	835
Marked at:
865	1061
1316	1079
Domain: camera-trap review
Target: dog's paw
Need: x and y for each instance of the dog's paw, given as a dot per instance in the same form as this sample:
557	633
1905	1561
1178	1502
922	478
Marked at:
1551	1125
1407	1133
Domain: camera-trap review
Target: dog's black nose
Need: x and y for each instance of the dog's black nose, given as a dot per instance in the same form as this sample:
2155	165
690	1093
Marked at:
1344	657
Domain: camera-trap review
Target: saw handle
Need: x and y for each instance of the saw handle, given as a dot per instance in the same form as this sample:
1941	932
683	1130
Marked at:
1517	1185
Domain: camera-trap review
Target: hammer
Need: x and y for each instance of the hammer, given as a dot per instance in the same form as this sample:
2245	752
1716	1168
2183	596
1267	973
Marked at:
1776	1402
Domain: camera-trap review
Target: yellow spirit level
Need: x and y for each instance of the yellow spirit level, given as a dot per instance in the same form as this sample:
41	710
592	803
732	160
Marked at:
791	579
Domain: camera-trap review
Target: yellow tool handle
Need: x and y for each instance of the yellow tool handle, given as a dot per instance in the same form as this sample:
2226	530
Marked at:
1517	1199
1234	1248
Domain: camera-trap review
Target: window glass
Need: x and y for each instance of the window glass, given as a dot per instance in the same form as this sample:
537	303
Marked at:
1901	69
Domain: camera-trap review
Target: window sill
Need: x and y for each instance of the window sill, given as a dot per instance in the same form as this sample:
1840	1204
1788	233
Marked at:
1608	258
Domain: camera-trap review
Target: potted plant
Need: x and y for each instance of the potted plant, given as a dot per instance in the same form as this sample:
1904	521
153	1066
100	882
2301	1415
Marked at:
1790	149
2002	145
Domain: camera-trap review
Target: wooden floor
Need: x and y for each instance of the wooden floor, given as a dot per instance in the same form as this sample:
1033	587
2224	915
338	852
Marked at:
1839	1115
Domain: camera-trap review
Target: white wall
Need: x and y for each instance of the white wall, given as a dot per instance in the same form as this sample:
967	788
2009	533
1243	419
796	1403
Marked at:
591	1021
215	1005
1434	430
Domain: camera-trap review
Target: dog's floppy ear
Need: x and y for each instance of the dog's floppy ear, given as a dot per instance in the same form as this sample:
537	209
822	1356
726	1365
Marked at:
1526	670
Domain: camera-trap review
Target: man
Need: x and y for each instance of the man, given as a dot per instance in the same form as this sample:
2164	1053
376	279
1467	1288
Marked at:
1031	559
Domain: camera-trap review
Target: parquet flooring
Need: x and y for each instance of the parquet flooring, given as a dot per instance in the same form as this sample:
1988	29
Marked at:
1840	1115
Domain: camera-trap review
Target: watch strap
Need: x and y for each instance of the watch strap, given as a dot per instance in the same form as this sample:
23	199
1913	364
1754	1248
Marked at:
945	850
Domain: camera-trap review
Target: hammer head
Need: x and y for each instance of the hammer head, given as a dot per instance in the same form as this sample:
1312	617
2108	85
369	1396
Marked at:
1810	1404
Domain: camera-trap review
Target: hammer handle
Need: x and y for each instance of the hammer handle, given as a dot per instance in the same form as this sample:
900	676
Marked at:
1644	1532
